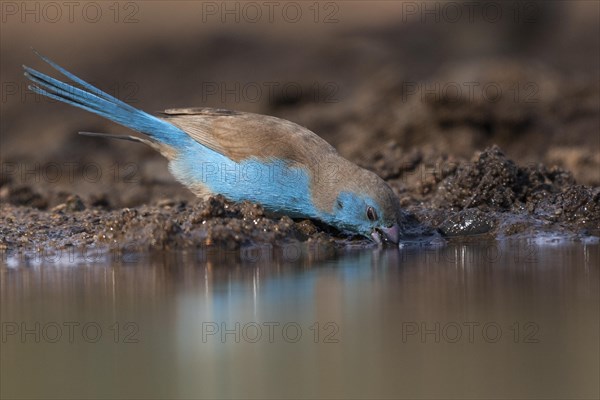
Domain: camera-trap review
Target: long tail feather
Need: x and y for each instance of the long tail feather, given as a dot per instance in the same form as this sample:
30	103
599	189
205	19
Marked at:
129	138
94	100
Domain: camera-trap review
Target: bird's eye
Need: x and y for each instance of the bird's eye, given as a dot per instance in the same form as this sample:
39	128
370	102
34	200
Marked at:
371	214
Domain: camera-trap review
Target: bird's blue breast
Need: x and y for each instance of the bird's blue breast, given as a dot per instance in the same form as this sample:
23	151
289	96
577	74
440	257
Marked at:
278	185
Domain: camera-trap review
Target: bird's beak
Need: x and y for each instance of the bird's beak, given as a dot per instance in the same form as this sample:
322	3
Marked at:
392	234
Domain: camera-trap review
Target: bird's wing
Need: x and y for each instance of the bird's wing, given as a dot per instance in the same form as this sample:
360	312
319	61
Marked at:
241	135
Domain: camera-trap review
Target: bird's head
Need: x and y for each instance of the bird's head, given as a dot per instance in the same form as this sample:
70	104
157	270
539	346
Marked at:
367	205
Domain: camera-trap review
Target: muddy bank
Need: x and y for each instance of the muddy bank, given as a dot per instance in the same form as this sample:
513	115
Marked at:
488	196
422	105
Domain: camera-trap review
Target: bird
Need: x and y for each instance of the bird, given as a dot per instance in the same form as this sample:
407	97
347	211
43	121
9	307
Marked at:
284	167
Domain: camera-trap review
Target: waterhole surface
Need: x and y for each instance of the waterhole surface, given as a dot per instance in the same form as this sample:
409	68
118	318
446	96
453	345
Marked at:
501	319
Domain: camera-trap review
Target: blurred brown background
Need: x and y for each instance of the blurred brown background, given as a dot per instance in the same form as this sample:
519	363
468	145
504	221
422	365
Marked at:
446	77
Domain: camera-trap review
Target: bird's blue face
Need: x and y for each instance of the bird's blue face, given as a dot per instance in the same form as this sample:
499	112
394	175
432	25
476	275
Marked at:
363	215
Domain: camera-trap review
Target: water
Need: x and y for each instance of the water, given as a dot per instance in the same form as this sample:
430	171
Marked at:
510	319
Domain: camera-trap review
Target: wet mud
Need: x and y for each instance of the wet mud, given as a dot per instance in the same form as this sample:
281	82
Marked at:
522	160
487	196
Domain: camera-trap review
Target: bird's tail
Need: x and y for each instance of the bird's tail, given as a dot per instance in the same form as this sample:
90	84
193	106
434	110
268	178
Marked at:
98	102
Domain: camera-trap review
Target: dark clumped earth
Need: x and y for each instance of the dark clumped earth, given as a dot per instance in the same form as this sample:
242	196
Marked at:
521	161
487	195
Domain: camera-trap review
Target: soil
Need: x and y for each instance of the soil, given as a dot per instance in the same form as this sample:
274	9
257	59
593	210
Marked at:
488	195
464	164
